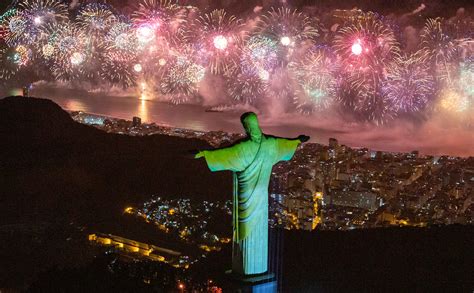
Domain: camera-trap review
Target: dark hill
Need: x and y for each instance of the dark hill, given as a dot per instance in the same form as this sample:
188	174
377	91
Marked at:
434	259
53	166
60	179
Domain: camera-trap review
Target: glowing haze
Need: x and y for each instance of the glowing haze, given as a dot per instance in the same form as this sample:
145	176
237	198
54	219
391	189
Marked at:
350	66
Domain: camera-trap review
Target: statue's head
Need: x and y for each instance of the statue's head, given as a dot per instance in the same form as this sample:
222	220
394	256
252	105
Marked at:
250	122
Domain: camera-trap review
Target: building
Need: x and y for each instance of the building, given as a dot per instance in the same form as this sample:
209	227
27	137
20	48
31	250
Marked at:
357	199
124	245
26	91
137	121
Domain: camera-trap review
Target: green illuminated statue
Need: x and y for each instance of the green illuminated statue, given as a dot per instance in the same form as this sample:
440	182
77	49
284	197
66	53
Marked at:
251	161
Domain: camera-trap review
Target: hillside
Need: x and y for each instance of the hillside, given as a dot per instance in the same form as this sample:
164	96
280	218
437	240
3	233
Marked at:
53	165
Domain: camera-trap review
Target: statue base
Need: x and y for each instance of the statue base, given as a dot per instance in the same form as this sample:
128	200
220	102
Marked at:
260	283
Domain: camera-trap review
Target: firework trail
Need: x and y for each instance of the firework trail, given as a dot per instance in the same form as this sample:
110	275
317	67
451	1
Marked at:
117	69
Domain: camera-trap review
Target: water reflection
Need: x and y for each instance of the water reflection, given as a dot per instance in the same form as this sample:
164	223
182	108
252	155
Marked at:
143	110
76	105
143	106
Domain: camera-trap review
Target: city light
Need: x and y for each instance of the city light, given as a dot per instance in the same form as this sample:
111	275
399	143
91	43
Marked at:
220	42
181	286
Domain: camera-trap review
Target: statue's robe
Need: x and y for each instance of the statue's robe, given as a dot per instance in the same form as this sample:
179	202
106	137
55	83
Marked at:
252	162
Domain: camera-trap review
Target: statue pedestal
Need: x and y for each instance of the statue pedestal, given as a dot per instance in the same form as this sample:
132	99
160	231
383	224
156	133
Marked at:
261	283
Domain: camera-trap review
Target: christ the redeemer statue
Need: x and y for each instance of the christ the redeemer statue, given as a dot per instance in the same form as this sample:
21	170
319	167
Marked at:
251	161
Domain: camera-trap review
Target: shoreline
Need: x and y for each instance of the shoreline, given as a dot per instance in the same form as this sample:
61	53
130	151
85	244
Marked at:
180	131
430	138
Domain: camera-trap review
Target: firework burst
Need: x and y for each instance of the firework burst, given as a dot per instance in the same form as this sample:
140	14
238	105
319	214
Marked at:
316	74
122	37
180	82
466	77
24	25
366	43
364	100
15	28
288	27
245	87
453	101
457	99
69	46
96	20
408	84
8	61
441	48
366	46
159	19
220	36
44	12
288	30
259	55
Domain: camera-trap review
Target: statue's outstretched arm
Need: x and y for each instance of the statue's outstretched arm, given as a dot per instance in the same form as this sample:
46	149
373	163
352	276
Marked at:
303	138
199	154
286	147
300	138
227	158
